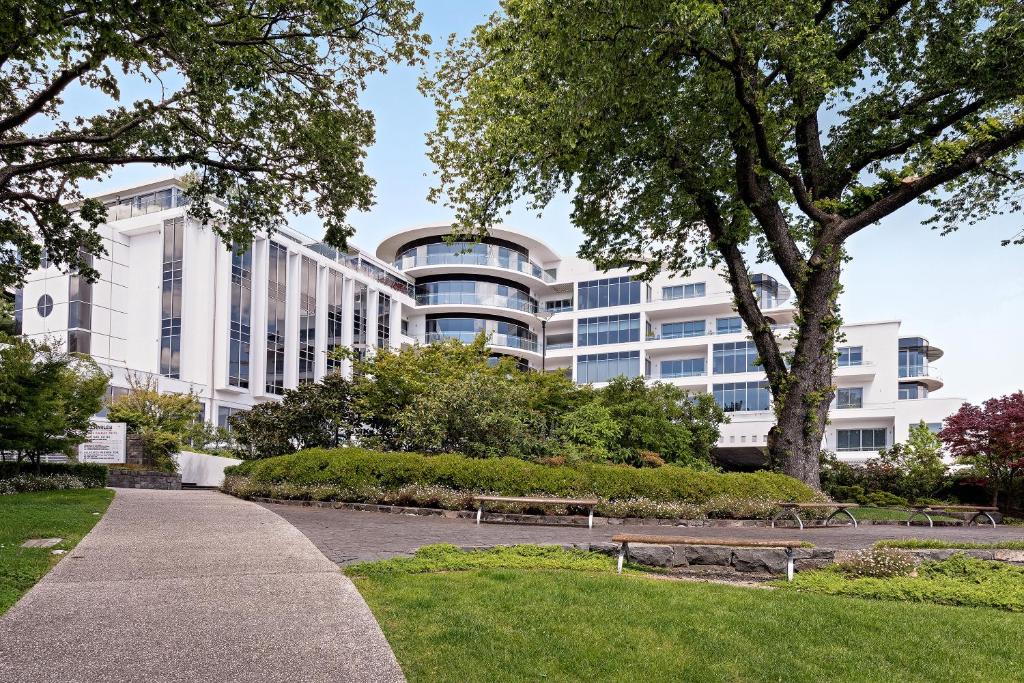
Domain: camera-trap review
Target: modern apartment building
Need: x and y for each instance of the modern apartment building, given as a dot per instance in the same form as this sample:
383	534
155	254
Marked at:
239	326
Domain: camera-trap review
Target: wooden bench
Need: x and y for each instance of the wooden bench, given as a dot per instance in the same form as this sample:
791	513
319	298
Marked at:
927	511
580	502
793	509
773	543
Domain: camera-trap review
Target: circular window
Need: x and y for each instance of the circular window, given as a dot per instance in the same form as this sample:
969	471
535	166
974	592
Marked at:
45	305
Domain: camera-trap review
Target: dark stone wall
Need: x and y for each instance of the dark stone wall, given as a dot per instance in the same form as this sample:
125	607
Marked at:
139	479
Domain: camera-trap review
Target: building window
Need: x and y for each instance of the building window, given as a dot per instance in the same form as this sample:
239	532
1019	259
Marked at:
224	414
690	328
686	367
277	296
558	305
335	313
499	331
383	321
728	325
690	291
734	357
860	439
913	357
79	341
307	321
170	306
851	397
614	291
45	305
933	427
608	329
240	332
851	355
602	367
359	319
909	391
736	397
404	327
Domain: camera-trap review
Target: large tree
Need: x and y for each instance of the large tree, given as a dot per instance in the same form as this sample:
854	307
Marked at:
258	97
694	132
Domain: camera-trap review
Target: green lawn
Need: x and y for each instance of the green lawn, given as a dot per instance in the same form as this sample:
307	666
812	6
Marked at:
65	514
514	624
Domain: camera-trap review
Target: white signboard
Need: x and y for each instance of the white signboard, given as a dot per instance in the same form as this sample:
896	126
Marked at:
105	443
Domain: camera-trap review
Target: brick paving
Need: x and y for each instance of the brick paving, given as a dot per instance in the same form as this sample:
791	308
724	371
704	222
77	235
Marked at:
346	536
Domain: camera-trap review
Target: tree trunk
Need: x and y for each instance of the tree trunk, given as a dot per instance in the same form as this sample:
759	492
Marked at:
802	404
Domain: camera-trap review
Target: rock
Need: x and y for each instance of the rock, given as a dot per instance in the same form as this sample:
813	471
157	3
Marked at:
770	560
709	554
651	555
679	556
1016	556
606	548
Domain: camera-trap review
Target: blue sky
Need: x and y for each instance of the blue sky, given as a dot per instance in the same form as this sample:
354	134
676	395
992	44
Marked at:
963	292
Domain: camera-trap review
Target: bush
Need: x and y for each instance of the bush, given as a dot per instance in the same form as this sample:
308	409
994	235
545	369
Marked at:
27	483
91	475
355	472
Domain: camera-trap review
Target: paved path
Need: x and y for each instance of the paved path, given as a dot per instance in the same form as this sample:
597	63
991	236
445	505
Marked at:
193	586
347	535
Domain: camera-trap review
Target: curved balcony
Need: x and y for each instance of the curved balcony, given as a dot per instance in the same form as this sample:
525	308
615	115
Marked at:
512	303
922	374
513	262
493	339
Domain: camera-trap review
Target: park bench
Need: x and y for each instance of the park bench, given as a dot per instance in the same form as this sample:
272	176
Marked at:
927	511
772	543
579	502
793	510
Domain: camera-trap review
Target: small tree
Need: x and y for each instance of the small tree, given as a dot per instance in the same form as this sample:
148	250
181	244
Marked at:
47	398
990	439
163	421
914	469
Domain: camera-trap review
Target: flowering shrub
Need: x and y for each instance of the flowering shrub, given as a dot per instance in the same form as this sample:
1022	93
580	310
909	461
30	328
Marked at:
877	563
27	483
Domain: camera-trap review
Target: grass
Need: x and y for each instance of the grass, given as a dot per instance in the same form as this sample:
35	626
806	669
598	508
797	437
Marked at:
517	624
960	581
931	543
47	514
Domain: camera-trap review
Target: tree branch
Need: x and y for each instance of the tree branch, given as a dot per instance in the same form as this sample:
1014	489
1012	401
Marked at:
854	43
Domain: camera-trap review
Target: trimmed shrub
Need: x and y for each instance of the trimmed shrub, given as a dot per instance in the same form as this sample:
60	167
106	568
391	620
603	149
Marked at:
28	483
356	474
91	475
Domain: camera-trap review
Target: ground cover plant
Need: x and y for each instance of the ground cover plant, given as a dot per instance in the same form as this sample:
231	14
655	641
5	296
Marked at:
960	580
936	544
458	623
449	481
50	514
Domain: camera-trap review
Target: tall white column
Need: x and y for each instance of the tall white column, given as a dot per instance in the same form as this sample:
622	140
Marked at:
322	282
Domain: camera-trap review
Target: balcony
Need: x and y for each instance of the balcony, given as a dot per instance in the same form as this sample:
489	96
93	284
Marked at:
493	339
906	372
559	345
489	260
679	375
469	299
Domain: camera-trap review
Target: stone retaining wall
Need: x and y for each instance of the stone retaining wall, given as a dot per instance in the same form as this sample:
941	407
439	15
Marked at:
142	479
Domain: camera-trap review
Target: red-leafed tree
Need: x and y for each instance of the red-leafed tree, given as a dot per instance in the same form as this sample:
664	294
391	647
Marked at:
990	438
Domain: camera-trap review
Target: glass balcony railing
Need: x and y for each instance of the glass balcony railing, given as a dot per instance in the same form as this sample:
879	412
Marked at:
493	339
918	371
677	375
466	298
491	259
559	345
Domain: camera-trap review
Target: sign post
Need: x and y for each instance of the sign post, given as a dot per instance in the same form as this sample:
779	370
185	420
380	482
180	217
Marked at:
105	443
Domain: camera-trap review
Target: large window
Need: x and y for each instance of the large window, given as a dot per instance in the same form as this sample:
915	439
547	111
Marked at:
504	294
860	439
909	391
851	355
686	367
170	303
689	291
736	397
602	367
913	357
850	397
728	325
383	321
277	290
224	414
608	329
335	316
613	291
80	312
360	314
240	331
690	328
307	321
733	357
500	332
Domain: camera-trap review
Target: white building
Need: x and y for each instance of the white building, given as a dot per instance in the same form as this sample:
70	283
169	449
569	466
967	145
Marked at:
238	328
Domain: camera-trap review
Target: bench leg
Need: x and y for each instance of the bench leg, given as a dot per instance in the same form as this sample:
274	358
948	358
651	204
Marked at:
974	519
924	514
845	512
789	564
792	513
590	519
622	556
480	512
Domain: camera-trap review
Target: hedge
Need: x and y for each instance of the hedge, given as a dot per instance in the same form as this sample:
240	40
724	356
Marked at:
90	474
355	468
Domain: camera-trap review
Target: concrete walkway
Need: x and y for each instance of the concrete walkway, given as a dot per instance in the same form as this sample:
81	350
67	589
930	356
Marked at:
193	586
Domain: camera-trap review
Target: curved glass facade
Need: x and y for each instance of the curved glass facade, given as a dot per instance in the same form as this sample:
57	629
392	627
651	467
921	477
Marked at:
466	329
468	253
475	292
